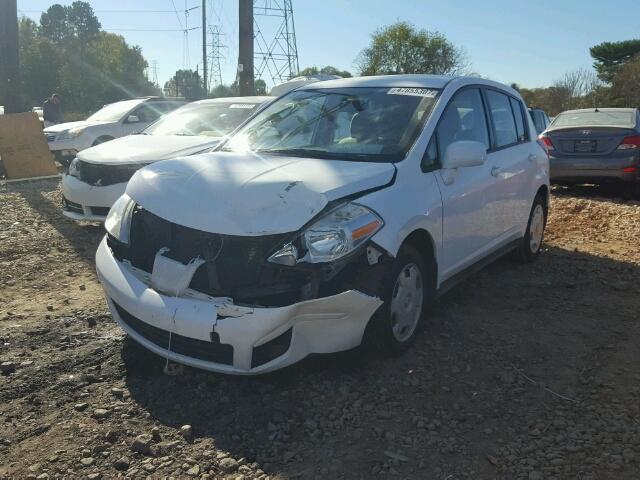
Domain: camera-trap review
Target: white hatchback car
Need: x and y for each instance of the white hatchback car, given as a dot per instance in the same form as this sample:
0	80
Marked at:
99	175
332	218
112	121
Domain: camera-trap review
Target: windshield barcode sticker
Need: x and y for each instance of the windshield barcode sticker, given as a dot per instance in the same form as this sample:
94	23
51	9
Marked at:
242	105
416	92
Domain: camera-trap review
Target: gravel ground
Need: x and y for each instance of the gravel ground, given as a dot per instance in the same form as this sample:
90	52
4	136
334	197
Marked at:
523	371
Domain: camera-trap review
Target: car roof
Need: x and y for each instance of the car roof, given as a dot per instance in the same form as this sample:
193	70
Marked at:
415	81
253	99
582	110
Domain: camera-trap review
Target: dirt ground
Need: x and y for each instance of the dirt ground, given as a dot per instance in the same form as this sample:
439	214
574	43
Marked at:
523	371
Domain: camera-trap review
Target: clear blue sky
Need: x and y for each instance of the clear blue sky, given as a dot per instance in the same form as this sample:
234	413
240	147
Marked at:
529	42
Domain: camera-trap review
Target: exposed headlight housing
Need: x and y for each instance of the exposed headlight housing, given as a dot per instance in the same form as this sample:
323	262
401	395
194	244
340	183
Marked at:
333	236
72	133
118	221
74	169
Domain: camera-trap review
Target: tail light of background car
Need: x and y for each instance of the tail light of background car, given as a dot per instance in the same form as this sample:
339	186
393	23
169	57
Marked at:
546	143
630	143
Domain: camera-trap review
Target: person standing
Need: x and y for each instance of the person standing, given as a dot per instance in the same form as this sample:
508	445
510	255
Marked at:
51	110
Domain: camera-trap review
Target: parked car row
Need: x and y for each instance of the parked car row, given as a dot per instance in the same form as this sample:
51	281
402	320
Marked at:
112	121
331	217
98	176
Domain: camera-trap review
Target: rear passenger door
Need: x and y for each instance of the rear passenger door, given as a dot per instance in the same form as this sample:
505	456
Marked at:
512	163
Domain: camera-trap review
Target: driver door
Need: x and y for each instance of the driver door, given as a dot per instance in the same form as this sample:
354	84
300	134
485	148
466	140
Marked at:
468	226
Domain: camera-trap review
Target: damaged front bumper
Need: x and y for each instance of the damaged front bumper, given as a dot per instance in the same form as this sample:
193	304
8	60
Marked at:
215	334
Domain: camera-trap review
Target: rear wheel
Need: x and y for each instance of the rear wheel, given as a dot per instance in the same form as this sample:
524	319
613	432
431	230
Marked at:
407	290
531	243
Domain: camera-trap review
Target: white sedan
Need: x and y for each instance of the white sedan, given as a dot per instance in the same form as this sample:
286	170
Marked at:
99	175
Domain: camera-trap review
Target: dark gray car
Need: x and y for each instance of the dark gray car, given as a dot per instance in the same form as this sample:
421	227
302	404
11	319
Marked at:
597	146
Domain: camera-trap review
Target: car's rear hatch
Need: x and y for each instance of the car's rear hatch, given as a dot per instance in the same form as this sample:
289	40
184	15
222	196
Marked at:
588	141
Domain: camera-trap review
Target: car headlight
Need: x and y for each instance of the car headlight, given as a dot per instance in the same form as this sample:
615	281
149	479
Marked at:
74	169
333	236
72	133
118	221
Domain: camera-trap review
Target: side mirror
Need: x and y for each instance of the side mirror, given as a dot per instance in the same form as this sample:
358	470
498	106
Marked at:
464	153
133	119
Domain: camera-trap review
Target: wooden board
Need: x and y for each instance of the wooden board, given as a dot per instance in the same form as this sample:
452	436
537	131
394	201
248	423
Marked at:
23	147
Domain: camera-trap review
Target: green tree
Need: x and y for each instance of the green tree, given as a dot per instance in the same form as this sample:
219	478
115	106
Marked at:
626	84
185	83
609	57
402	48
260	87
221	91
69	54
326	70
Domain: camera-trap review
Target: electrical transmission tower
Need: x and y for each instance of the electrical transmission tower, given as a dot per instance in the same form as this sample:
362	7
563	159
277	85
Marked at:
215	71
276	59
154	72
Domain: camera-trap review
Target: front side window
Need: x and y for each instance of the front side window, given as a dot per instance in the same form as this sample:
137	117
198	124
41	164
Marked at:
376	124
209	119
463	119
503	122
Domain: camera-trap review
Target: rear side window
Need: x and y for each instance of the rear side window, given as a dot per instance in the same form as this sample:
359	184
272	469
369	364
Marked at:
503	122
517	115
463	119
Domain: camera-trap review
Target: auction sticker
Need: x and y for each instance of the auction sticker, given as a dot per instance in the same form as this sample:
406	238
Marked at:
416	92
242	105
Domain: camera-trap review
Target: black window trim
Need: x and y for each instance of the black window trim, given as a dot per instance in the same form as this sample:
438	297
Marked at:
493	147
434	135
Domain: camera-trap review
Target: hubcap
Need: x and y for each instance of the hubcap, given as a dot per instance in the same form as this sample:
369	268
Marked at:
406	302
536	229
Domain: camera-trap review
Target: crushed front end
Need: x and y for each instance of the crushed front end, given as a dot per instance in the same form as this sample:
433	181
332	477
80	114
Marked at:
214	301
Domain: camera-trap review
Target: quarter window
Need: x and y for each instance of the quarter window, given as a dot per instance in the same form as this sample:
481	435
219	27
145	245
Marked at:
503	122
463	119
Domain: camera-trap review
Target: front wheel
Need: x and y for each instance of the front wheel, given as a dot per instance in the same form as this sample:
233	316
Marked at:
406	292
531	243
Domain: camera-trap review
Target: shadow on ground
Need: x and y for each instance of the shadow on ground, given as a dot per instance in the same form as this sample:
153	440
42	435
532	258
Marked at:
500	352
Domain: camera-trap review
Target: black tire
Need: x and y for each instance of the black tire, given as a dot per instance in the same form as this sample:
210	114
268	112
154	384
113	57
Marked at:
379	338
102	139
631	191
528	251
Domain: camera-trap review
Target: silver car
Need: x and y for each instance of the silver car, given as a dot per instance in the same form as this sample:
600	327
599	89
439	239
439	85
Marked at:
595	146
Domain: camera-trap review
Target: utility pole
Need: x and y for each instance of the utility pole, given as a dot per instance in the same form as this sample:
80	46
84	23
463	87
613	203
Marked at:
245	48
205	84
9	67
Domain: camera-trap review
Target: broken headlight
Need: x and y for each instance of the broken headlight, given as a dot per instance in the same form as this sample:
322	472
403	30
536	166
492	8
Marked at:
118	221
333	236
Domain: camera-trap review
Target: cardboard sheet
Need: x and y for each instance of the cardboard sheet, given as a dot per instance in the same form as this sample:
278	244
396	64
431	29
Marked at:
23	147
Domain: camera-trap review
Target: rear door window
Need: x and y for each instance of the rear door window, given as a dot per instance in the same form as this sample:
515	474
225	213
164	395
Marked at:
517	115
504	124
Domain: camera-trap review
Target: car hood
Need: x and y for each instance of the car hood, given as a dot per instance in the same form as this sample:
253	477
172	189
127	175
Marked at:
146	148
250	194
62	127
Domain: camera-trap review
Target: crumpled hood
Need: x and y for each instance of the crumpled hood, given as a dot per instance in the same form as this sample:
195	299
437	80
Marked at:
249	194
146	148
62	127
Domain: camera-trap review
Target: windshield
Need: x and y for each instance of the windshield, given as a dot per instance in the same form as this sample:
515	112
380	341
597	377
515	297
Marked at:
602	118
114	111
211	119
362	124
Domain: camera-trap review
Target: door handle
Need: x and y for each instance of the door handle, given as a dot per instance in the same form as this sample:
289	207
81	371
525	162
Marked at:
495	171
